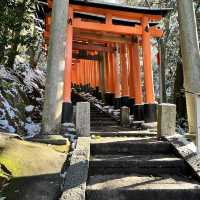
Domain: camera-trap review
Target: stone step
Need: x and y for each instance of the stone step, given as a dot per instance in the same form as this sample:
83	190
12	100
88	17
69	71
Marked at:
130	145
101	120
139	187
103	123
143	164
100	117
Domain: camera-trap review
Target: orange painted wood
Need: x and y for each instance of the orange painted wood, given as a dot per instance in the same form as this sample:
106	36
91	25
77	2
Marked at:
111	77
68	60
92	26
50	3
108	18
91	47
106	73
115	13
156	32
98	74
116	78
93	73
109	83
131	75
78	73
137	74
148	74
124	71
92	77
82	72
118	29
100	37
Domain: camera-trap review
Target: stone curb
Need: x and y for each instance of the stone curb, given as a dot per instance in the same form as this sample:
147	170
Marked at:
187	150
77	173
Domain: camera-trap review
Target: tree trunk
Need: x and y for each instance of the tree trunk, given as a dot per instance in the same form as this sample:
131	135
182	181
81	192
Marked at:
191	57
179	95
20	12
163	64
55	68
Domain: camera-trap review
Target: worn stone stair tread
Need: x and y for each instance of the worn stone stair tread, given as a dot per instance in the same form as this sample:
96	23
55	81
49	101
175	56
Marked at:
128	139
136	158
138	187
144	164
141	182
131	145
121	132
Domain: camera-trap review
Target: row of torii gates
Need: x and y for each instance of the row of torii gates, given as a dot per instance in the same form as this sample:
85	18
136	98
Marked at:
103	53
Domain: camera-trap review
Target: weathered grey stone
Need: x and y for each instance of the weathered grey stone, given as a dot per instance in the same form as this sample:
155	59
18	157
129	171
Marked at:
140	187
124	116
77	173
83	119
187	151
55	68
129	145
190	57
166	119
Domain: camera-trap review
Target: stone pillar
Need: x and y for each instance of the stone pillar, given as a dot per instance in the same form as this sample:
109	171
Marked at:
83	119
124	116
55	68
166	119
191	57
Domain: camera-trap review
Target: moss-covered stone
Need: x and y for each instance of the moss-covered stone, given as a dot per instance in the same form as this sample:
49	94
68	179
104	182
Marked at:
33	167
23	158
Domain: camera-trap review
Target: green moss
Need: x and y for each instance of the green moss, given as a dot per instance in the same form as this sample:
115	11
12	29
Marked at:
11	165
24	158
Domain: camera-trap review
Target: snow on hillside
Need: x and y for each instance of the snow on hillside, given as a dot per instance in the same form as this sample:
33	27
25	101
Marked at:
21	99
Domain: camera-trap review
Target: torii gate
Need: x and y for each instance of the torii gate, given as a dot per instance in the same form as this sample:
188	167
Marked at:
94	34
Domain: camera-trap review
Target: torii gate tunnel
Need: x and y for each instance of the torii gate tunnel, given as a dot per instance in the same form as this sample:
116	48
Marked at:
107	46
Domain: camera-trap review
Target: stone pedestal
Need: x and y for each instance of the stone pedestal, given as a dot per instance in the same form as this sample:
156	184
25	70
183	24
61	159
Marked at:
166	119
83	119
124	116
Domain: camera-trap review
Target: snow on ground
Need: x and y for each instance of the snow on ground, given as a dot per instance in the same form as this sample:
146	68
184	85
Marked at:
18	91
32	128
29	108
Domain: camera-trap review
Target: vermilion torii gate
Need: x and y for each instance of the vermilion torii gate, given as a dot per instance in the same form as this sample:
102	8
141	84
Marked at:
103	46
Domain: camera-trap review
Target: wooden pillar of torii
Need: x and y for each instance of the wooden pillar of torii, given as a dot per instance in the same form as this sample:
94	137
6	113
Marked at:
105	75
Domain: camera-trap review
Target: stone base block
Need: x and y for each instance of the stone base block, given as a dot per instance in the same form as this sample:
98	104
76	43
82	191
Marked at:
124	116
83	119
166	119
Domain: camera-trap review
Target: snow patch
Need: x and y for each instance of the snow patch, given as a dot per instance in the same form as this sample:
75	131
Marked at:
5	125
32	128
29	108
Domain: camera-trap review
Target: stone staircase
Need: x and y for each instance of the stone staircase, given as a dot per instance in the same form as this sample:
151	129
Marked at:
100	119
123	168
